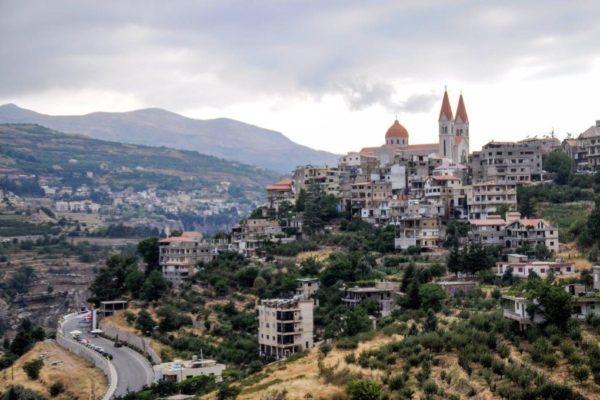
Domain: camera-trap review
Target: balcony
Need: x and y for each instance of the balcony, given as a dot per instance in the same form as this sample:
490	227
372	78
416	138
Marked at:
510	314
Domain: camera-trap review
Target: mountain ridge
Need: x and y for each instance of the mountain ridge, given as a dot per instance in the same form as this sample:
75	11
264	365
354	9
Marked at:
220	137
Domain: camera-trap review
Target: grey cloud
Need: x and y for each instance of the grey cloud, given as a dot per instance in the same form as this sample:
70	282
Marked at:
220	52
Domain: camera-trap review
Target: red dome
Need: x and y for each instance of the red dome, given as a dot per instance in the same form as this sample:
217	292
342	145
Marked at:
396	130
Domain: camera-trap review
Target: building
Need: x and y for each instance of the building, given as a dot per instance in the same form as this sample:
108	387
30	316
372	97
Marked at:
453	138
250	236
490	231
530	231
486	198
521	267
282	191
112	307
418	230
451	288
327	178
546	143
285	326
516	308
383	293
514	232
179	256
586	151
507	162
307	287
178	370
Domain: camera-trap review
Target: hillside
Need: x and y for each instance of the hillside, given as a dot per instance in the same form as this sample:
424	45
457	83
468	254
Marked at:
32	149
225	138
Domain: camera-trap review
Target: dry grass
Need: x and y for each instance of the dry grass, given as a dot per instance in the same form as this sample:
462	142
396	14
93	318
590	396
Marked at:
80	378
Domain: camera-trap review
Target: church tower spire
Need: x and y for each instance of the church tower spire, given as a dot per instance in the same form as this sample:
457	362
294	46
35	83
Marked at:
461	129
446	128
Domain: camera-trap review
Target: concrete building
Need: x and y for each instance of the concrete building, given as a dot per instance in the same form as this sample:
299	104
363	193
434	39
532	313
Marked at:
383	293
516	308
178	370
585	152
418	230
285	326
546	143
521	267
328	178
180	255
490	231
486	198
307	287
530	231
507	162
282	191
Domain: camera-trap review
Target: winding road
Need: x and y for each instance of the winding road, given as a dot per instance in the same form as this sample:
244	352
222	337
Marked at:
133	370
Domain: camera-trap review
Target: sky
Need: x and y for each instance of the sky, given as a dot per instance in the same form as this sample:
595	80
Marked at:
332	75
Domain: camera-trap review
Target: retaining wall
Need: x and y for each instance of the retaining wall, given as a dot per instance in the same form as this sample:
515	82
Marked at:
90	355
137	342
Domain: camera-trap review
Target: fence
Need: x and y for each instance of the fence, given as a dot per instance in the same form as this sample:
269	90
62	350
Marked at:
137	342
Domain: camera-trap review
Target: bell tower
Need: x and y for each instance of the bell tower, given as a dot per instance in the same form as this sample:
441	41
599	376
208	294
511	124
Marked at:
446	128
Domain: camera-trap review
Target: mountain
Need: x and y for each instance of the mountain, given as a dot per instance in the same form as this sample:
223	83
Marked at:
27	149
222	137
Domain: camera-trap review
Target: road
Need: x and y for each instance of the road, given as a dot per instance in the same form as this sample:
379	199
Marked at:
133	370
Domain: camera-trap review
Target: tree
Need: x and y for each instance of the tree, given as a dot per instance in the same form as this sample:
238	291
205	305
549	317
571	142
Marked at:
542	252
413	299
18	392
134	281
559	163
454	260
407	278
356	320
148	250
430	321
154	286
593	223
553	302
507	277
33	367
431	296
364	389
56	388
145	323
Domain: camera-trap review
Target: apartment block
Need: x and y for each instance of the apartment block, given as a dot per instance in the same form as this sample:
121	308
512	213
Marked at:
179	256
418	230
487	198
285	326
507	161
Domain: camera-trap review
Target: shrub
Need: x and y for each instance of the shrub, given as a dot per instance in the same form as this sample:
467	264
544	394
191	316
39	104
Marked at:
350	358
429	387
32	368
363	389
397	381
56	389
347	343
581	373
325	348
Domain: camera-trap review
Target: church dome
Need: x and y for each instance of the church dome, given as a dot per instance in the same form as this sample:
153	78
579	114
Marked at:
396	131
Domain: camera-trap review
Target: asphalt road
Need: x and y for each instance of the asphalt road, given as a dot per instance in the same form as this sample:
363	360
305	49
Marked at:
133	370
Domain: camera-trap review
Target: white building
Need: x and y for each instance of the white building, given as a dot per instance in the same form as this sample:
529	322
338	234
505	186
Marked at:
522	267
285	326
178	370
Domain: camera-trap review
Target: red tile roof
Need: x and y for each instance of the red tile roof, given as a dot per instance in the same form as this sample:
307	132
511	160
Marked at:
396	130
283	185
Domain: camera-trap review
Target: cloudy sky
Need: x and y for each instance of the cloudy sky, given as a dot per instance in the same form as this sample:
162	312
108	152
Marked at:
328	74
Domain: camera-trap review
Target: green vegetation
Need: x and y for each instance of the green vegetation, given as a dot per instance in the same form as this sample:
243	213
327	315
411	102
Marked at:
27	335
33	368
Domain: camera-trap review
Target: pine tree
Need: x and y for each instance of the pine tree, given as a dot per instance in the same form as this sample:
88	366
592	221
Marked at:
408	277
430	321
455	260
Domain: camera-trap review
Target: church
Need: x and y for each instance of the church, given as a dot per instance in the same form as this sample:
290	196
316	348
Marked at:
453	143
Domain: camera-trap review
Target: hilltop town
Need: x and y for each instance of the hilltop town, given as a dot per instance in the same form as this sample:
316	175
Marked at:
407	269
